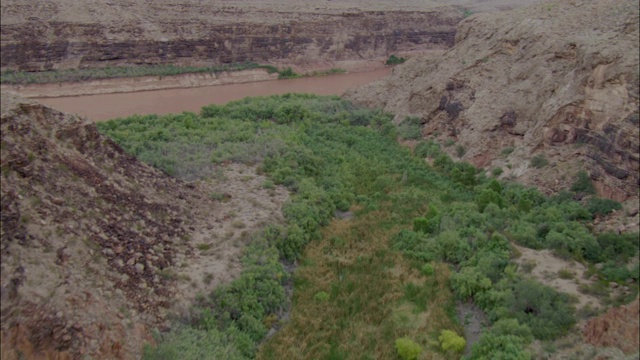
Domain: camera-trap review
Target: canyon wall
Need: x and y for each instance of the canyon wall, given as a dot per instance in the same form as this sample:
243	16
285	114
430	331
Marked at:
56	35
556	81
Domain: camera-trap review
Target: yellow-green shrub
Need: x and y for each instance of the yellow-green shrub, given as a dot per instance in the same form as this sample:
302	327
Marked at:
407	349
450	341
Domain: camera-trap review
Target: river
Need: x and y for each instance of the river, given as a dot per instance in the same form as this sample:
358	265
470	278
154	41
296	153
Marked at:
108	106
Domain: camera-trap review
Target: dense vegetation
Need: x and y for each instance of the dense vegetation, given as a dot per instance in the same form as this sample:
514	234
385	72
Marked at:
86	74
395	60
384	283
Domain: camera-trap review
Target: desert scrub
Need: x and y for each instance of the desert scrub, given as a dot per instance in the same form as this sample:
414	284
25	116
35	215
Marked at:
287	73
507	151
539	161
407	215
583	183
394	60
410	128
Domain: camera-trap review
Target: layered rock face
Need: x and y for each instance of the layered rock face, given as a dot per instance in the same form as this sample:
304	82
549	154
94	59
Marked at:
86	233
61	34
559	81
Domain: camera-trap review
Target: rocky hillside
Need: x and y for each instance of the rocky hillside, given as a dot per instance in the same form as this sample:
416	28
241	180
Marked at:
98	247
70	34
541	92
617	328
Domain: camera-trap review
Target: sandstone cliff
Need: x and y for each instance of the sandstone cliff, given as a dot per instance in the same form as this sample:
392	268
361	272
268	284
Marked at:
558	80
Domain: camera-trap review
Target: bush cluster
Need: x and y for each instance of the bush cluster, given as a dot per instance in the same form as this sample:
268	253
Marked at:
394	60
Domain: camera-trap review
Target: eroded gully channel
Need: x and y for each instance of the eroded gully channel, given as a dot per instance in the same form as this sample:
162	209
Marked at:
108	106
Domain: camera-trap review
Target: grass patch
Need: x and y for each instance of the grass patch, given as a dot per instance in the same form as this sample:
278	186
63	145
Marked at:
331	71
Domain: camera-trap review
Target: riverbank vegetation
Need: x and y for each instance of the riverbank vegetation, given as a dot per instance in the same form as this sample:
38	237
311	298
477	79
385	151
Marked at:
10	77
382	280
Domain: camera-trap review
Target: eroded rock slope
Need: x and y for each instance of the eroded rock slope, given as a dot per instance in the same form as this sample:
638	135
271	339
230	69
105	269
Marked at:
558	80
97	247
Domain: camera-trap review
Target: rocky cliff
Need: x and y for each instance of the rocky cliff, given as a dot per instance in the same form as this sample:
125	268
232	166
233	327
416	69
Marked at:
558	81
98	247
64	34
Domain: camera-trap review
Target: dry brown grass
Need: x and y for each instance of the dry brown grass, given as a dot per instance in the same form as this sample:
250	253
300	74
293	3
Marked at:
367	309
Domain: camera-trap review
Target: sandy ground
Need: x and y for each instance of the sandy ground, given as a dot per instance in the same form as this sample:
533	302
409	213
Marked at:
246	207
555	272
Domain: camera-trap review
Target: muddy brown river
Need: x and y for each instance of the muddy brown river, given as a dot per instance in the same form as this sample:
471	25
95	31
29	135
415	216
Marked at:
109	106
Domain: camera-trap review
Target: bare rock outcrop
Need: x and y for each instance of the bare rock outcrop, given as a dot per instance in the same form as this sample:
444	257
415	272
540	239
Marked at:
618	327
87	231
556	80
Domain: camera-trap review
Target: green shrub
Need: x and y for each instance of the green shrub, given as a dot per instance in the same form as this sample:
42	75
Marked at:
460	151
450	341
492	346
506	151
486	197
407	349
512	327
268	184
427	269
583	183
321	296
463	173
546	311
291	113
495	186
410	128
497	171
394	60
287	73
602	207
452	248
427	149
468	282
619	247
405	240
613	271
291	245
426	226
539	161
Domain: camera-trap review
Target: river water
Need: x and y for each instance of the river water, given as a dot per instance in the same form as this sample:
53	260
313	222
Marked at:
108	106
